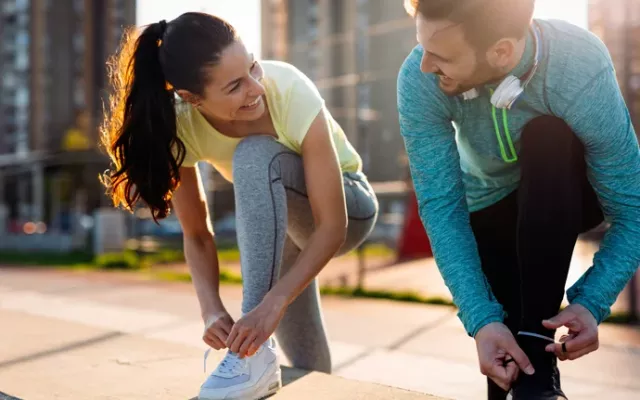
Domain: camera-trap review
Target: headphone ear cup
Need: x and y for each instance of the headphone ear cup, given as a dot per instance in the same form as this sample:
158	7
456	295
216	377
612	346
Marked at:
507	93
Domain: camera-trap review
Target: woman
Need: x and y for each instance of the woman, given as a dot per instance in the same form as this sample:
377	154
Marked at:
186	91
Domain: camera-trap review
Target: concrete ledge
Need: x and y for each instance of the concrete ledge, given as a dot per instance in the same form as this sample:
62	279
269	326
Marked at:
53	358
316	386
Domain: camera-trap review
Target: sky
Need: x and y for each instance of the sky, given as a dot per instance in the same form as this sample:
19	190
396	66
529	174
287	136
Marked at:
244	15
574	11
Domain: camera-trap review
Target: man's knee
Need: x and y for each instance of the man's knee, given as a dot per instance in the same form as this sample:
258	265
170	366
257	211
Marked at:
550	135
550	148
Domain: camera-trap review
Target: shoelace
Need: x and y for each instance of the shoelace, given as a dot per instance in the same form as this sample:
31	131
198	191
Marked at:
536	335
230	363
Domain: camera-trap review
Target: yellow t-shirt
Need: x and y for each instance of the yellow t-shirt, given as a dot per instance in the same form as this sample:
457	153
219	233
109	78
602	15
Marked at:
294	102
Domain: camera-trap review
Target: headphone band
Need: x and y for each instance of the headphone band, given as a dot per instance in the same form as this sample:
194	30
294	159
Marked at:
536	59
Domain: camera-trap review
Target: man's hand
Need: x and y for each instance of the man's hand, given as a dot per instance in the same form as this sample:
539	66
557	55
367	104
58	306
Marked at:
501	359
582	338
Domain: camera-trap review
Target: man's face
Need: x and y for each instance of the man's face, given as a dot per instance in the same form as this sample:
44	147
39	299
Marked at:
448	54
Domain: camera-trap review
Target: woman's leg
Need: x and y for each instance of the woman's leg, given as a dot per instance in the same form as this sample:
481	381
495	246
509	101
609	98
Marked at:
301	333
274	221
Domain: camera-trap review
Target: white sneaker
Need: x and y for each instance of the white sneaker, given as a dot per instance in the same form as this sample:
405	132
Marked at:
251	378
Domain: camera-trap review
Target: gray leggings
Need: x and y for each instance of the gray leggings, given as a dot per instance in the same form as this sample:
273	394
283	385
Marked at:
274	221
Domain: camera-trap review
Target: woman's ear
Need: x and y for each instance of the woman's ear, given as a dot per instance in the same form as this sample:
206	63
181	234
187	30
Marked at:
189	97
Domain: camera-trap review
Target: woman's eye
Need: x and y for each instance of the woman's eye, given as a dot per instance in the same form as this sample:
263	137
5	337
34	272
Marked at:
252	68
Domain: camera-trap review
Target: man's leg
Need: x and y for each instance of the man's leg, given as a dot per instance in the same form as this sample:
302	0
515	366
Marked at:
495	232
555	202
550	216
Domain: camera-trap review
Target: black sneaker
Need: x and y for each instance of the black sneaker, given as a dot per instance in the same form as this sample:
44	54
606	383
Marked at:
544	384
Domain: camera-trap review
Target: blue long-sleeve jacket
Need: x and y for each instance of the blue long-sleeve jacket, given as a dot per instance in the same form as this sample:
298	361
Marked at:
460	164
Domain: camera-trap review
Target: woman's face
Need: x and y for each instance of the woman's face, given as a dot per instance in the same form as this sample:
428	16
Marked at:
234	91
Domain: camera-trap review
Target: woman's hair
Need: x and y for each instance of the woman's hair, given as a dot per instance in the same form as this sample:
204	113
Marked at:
139	131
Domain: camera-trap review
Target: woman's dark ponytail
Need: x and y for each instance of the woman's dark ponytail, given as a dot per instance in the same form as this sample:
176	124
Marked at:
140	133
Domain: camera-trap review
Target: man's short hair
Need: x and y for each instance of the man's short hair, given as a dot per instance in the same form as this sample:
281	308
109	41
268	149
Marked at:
484	21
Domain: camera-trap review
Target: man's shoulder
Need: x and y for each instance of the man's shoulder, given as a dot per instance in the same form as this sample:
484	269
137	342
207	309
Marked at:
413	84
410	69
573	50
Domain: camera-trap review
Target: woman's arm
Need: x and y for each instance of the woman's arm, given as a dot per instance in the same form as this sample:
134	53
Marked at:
326	195
189	202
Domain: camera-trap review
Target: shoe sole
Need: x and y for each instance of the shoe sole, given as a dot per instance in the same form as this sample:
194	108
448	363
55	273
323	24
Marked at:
268	385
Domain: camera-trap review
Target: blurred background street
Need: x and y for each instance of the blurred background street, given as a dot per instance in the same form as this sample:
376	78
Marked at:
73	269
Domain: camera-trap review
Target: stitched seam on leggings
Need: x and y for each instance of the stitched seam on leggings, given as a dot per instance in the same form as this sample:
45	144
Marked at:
307	197
275	218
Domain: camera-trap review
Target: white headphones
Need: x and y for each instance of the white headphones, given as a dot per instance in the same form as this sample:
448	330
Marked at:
511	88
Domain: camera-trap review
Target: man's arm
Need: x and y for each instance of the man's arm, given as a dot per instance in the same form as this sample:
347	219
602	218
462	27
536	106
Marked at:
429	137
599	116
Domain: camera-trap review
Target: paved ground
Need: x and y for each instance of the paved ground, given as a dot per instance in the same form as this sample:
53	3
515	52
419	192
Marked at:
67	335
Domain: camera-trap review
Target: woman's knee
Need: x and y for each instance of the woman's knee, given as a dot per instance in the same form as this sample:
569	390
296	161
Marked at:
253	146
258	153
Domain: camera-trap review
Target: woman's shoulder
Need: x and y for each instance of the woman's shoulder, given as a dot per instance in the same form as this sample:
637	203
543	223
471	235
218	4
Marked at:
282	68
290	85
283	74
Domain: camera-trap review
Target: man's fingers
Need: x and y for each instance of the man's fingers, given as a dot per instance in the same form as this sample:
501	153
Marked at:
562	319
499	375
521	358
512	371
575	344
577	354
583	340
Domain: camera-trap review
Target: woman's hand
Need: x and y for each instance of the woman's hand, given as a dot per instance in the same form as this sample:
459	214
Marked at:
217	329
255	328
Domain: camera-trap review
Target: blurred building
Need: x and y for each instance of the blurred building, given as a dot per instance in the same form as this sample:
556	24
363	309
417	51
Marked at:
617	23
52	63
353	51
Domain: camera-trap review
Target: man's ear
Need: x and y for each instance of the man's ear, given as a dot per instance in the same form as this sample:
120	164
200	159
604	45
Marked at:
500	55
189	97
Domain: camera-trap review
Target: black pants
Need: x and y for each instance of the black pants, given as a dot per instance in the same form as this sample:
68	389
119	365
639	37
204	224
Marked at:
526	240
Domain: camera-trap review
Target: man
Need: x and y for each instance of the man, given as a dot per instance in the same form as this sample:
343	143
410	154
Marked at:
506	181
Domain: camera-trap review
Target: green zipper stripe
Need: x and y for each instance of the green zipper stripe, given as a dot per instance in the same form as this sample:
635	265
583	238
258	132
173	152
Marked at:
506	129
505	123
